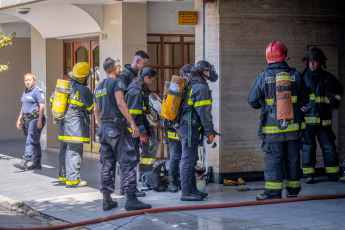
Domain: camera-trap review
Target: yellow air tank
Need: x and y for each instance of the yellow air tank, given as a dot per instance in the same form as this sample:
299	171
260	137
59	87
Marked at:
174	97
165	94
62	91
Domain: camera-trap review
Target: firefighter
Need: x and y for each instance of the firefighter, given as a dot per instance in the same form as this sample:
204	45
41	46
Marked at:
281	143
196	121
32	113
325	96
74	128
116	144
137	99
174	143
140	60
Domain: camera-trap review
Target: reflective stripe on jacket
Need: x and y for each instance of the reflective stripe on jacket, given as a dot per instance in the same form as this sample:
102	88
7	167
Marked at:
262	96
75	127
200	102
137	103
325	94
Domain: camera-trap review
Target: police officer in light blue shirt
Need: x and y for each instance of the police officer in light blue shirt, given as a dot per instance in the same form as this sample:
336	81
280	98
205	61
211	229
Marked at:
32	113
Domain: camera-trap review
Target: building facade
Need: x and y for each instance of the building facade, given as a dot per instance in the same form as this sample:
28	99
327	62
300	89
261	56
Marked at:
231	34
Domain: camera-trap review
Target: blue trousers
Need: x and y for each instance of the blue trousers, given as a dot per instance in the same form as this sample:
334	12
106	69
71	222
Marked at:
116	147
175	157
282	160
189	158
33	146
326	139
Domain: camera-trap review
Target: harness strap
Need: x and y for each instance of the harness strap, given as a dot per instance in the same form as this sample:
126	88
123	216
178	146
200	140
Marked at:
190	122
166	139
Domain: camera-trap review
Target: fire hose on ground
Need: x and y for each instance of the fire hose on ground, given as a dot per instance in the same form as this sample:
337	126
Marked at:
183	208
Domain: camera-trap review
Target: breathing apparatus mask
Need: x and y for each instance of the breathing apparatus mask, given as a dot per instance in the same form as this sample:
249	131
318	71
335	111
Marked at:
213	73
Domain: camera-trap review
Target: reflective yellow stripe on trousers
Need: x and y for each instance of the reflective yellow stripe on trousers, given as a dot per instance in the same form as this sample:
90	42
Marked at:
274	185
147	161
338	97
308	170
332	169
293	184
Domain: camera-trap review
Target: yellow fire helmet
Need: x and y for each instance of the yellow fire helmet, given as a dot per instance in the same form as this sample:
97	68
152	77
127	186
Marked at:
80	70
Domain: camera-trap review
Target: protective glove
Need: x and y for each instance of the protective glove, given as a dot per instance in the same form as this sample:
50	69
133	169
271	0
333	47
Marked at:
210	139
229	182
240	181
143	137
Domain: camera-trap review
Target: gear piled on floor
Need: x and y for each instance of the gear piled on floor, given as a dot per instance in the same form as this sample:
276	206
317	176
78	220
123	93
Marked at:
239	181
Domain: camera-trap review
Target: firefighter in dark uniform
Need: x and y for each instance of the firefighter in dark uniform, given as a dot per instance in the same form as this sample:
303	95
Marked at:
325	96
137	99
196	121
281	143
116	144
74	128
140	61
32	113
130	72
174	143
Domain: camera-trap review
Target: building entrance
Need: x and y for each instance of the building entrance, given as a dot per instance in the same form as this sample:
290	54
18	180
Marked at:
84	50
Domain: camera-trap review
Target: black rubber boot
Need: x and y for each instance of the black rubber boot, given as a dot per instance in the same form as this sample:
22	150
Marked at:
199	193
263	196
36	164
139	193
172	187
133	203
108	203
22	165
191	197
310	180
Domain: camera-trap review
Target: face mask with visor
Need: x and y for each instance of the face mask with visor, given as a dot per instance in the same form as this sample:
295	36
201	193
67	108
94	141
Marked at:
213	73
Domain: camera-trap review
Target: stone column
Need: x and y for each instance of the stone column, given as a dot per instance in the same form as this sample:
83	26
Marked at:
124	32
38	68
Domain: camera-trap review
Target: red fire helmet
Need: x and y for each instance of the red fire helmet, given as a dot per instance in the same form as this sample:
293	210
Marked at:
276	52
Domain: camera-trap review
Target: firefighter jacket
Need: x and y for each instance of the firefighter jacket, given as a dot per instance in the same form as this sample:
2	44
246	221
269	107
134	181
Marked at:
325	95
128	75
199	104
138	103
262	95
75	127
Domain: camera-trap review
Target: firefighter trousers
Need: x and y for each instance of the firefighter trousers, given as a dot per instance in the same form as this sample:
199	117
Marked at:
326	140
32	145
148	154
117	147
282	160
189	157
175	157
70	159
